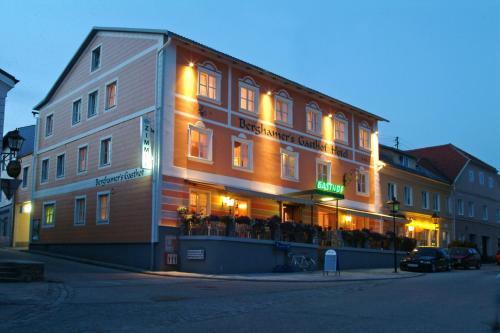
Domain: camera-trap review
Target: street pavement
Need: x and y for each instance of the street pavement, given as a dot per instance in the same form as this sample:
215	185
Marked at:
78	297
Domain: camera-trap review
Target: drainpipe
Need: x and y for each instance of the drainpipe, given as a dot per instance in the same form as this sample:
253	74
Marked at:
33	176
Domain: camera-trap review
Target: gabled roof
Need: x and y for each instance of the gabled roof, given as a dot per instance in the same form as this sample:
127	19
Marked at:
10	76
448	159
169	34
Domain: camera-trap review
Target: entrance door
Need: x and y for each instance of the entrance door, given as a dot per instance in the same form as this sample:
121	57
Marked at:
485	246
291	213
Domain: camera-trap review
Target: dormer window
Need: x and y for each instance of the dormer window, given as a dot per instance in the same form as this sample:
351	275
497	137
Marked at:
209	81
364	136
404	161
95	62
313	118
283	108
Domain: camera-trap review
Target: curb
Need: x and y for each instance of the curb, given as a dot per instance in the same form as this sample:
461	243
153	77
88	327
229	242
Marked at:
211	277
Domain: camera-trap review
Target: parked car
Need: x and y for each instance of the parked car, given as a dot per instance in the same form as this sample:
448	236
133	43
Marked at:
497	257
465	257
426	258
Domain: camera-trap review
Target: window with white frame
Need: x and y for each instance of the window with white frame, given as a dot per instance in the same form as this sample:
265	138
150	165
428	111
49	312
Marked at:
60	161
362	186
44	174
323	170
49	214
470	209
24	183
391	191
404	161
314	118
200	142
425	200
103	205
449	203
111	89
92	104
471	176
95	61
364	136
490	182
289	164
460	207
209	81
485	212
80	210
77	112
249	95
341	125
242	153
105	152
82	159
436	202
408	195
49	125
199	202
283	108
481	178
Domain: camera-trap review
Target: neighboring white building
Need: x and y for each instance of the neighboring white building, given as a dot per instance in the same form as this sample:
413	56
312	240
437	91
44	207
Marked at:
7	82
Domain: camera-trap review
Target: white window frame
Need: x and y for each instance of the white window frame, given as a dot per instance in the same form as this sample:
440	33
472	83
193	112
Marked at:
235	139
58	177
248	83
471	176
80	99
283	96
209	200
366	174
93	70
106	107
48	135
491	182
96	90
98	208
485	217
288	151
75	212
25	186
438	206
211	70
209	132
408	203
313	107
78	172
44	218
449	203
395	194
328	168
363	126
425	204
481	178
460	207
471	212
48	170
99	165
342	118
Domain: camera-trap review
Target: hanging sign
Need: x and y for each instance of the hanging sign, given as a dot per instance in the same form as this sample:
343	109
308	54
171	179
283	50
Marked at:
147	154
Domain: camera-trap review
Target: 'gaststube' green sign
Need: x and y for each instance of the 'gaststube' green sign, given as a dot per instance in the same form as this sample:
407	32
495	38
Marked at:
329	187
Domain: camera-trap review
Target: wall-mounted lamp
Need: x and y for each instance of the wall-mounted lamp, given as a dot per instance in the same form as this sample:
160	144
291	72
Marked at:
330	115
269	93
227	201
411	228
348	218
191	64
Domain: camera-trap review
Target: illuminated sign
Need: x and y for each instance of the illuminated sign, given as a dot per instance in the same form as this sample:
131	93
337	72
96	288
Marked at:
329	187
147	156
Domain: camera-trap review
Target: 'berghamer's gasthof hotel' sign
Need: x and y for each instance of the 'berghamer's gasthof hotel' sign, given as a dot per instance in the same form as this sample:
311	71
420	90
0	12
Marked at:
259	129
121	176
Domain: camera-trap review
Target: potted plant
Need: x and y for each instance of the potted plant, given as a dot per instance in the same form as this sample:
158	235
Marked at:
273	223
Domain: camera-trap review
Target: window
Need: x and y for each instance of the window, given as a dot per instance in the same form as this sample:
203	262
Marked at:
283	108
323	170
481	178
103	201
241	208
485	213
77	112
82	159
49	125
24	184
80	208
470	208
249	95
436	202
471	176
408	196
95	62
490	182
425	200
498	215
111	95
44	177
48	214
391	191
60	166
242	153
200	142
449	203
199	202
105	153
209	82
404	161
460	207
93	102
341	128
289	164
364	136
313	118
362	183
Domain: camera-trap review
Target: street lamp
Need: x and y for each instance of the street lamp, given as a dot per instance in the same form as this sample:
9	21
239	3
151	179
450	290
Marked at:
14	143
435	219
394	206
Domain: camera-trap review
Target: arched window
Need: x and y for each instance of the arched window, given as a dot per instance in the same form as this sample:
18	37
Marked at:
341	126
313	118
364	135
249	95
209	81
283	108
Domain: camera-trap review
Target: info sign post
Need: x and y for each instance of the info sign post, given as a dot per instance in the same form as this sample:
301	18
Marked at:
331	262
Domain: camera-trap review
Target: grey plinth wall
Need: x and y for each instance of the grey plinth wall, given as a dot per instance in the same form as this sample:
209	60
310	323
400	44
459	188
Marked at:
228	255
353	258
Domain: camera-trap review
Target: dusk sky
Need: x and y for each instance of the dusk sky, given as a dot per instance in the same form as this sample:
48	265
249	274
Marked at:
431	67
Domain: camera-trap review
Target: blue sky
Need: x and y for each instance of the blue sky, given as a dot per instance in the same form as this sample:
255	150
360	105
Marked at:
431	67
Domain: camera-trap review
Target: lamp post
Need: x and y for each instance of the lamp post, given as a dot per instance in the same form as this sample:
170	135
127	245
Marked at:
435	219
394	206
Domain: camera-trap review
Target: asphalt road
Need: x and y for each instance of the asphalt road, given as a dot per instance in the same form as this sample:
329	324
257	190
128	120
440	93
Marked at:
84	298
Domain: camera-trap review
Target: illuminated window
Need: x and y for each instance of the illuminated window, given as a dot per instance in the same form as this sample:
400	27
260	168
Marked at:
391	191
425	200
44	174
289	164
82	159
24	183
111	95
209	82
323	170
77	112
471	209
49	125
79	213
242	153
200	143
436	202
313	118
364	136
241	208
341	128
408	196
95	61
103	203
249	95
460	207
105	153
48	214
92	105
283	112
362	184
199	202
60	166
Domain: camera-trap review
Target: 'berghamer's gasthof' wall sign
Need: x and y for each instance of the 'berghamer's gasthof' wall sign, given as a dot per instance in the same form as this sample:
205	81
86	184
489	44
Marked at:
259	129
121	176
